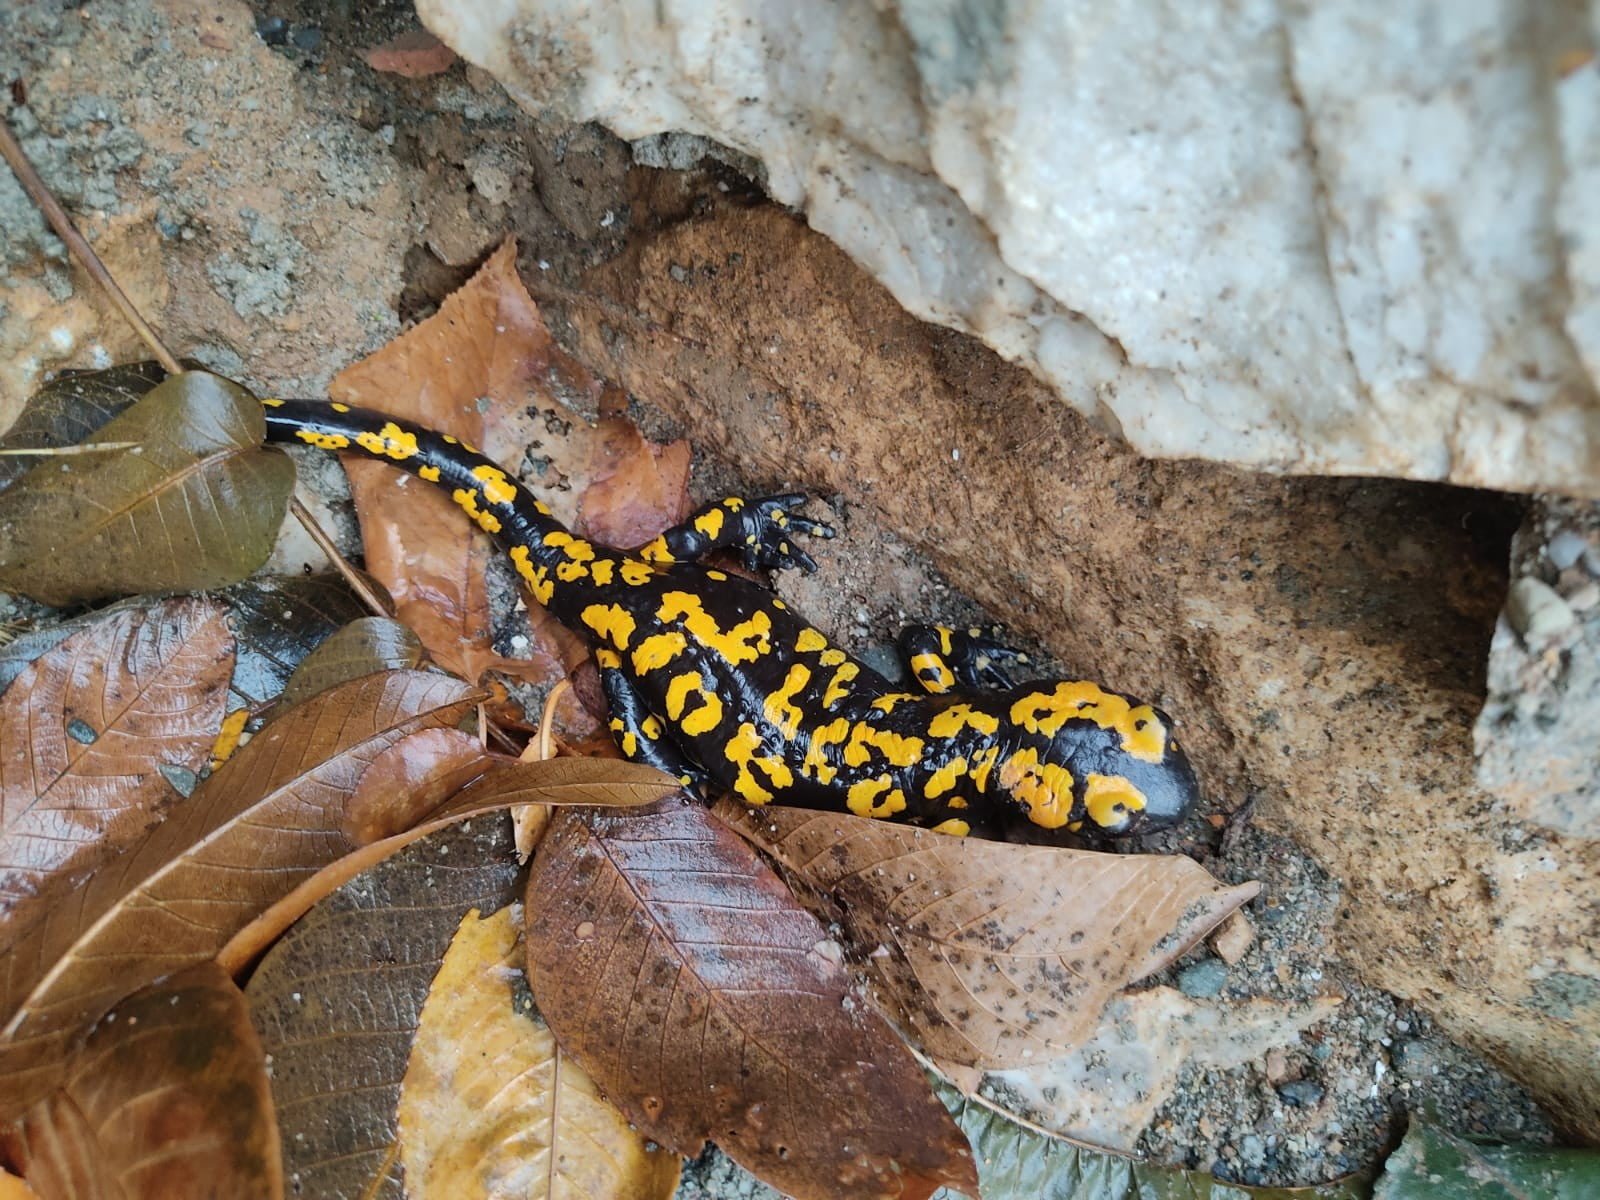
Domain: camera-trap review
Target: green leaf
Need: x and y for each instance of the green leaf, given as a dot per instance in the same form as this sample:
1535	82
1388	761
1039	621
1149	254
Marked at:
1019	1163
360	648
1439	1166
69	408
196	504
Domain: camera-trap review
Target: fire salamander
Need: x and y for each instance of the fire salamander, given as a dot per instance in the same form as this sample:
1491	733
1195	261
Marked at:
712	678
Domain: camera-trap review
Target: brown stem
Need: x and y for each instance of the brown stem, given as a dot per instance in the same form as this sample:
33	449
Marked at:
353	577
79	246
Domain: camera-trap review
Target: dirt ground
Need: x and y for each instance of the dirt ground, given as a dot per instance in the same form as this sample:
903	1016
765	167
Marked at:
404	185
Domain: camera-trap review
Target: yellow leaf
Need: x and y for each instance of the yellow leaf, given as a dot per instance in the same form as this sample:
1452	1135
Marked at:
490	1108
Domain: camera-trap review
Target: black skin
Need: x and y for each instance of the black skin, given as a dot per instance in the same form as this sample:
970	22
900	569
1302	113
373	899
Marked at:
712	678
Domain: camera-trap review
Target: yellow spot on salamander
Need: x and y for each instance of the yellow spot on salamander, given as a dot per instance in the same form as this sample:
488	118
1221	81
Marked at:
532	574
601	570
322	441
732	503
390	442
744	642
816	763
832	657
705	716
942	780
635	573
956	802
658	650
982	764
743	751
574	548
810	641
1111	800
889	701
780	708
1141	731
339	408
655	550
271	403
962	716
1044	788
651	728
709	523
954	826
839	686
607	658
497	489
719	576
431	474
899	751
611	622
931	672
874	798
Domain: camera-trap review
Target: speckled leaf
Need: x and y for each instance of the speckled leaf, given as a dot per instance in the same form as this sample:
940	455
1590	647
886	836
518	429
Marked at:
489	1106
70	407
270	818
165	1100
1431	1164
337	1001
678	971
277	622
1017	1163
90	734
196	504
361	648
993	954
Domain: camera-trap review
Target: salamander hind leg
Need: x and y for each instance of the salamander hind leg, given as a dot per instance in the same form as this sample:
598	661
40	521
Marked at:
942	659
762	531
641	735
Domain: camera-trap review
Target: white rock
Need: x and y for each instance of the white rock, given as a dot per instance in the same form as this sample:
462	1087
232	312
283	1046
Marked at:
1327	237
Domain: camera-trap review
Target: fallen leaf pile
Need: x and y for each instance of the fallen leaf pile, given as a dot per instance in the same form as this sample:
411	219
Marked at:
262	786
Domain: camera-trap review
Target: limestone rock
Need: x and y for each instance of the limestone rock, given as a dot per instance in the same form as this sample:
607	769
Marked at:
1313	237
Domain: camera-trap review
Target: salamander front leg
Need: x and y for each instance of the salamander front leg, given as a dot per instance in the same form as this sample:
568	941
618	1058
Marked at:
762	531
640	734
941	658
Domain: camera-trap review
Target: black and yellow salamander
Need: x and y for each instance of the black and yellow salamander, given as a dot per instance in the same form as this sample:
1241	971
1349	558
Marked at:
712	678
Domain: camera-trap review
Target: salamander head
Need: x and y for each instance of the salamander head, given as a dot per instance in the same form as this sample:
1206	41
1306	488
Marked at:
1081	757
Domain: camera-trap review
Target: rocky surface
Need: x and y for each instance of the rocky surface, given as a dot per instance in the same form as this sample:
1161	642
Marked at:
1322	641
1321	237
1537	740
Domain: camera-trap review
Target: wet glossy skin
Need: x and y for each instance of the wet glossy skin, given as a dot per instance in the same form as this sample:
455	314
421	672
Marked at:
714	679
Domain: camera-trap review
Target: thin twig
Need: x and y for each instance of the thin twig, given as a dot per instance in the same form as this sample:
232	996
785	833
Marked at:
353	577
55	451
40	194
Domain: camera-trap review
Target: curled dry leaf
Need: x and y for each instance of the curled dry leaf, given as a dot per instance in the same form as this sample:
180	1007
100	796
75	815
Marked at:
501	783
471	371
269	819
197	506
89	734
338	998
995	955
167	1099
363	647
490	1108
676	968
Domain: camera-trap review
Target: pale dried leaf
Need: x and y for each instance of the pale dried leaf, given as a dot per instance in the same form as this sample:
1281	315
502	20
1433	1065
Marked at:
489	1108
993	954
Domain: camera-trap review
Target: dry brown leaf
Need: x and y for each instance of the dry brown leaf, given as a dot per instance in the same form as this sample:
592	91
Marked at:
364	646
637	488
337	1000
167	1099
429	766
471	371
994	955
500	784
86	732
682	975
489	1108
270	818
415	54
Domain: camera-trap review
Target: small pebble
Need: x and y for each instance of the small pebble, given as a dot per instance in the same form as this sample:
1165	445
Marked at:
1233	938
1301	1093
1566	548
1536	611
1203	980
274	31
1584	597
308	38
